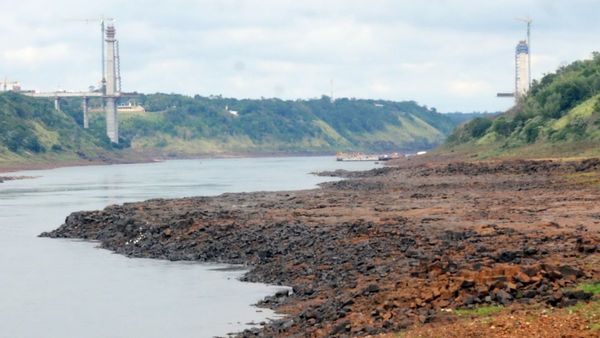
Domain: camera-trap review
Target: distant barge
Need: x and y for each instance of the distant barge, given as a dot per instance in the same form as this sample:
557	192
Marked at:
346	157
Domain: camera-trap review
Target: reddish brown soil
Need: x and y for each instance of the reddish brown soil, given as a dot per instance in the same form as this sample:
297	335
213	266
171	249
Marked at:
581	321
391	249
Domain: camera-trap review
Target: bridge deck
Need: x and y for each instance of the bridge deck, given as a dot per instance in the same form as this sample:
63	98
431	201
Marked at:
76	94
65	94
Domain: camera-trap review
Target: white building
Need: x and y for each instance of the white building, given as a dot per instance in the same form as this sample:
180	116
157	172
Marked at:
522	69
232	112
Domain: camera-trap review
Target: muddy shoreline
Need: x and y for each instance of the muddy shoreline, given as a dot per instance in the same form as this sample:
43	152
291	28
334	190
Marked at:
387	249
14	178
137	157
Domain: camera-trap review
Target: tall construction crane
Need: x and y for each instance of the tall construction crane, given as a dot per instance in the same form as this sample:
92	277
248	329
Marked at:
103	21
528	21
522	60
110	92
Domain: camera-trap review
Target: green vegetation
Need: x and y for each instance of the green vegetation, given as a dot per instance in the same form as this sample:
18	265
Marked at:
32	128
482	311
175	125
590	311
560	116
593	287
178	124
589	179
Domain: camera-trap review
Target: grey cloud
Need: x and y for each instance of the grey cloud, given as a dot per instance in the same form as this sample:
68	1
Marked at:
451	54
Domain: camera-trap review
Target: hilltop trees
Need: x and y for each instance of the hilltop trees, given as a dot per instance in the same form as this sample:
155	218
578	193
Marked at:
561	107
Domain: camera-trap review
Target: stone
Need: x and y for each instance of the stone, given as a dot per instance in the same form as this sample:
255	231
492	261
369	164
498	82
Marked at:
503	297
372	288
522	277
530	251
507	256
285	325
467	283
282	293
343	326
578	294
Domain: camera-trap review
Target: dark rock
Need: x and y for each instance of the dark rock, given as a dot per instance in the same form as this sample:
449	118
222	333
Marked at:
503	297
282	293
344	326
507	256
530	251
467	283
555	298
372	288
578	294
530	294
566	270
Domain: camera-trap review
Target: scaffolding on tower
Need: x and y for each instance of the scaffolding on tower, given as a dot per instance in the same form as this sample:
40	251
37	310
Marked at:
522	66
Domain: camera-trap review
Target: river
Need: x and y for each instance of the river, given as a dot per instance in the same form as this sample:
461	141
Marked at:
66	288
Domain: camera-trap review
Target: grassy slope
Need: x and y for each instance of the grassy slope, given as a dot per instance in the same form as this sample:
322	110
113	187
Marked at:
200	125
413	134
558	119
492	145
31	131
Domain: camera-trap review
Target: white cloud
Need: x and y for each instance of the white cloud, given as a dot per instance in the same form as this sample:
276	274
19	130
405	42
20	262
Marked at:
451	54
381	88
469	88
417	66
36	56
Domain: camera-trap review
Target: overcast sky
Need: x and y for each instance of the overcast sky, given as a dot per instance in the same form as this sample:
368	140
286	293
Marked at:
450	54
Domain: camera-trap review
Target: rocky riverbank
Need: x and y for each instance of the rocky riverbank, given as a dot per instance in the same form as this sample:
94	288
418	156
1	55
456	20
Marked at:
387	249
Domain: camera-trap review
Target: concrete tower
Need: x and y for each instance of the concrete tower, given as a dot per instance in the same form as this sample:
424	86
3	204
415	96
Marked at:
112	127
522	69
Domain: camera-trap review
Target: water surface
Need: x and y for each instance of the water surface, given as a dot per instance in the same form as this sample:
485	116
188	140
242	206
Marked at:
68	288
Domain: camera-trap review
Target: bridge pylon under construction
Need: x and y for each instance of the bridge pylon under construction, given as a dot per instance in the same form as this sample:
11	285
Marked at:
110	89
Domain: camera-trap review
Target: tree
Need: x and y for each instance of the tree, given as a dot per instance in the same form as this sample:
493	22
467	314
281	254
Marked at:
478	126
502	126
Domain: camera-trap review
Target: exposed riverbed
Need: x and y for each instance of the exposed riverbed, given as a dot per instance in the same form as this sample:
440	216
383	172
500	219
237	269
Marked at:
390	249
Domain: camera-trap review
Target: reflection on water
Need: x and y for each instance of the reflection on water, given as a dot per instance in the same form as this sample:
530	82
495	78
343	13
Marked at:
67	288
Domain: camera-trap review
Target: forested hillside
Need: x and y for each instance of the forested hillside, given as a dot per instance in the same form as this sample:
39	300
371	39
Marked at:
559	117
190	125
32	128
178	125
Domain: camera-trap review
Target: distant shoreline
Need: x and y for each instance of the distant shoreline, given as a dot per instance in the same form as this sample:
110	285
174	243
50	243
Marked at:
131	158
14	178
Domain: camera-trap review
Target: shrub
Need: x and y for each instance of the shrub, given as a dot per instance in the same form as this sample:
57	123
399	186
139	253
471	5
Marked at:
575	130
478	126
502	126
531	133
